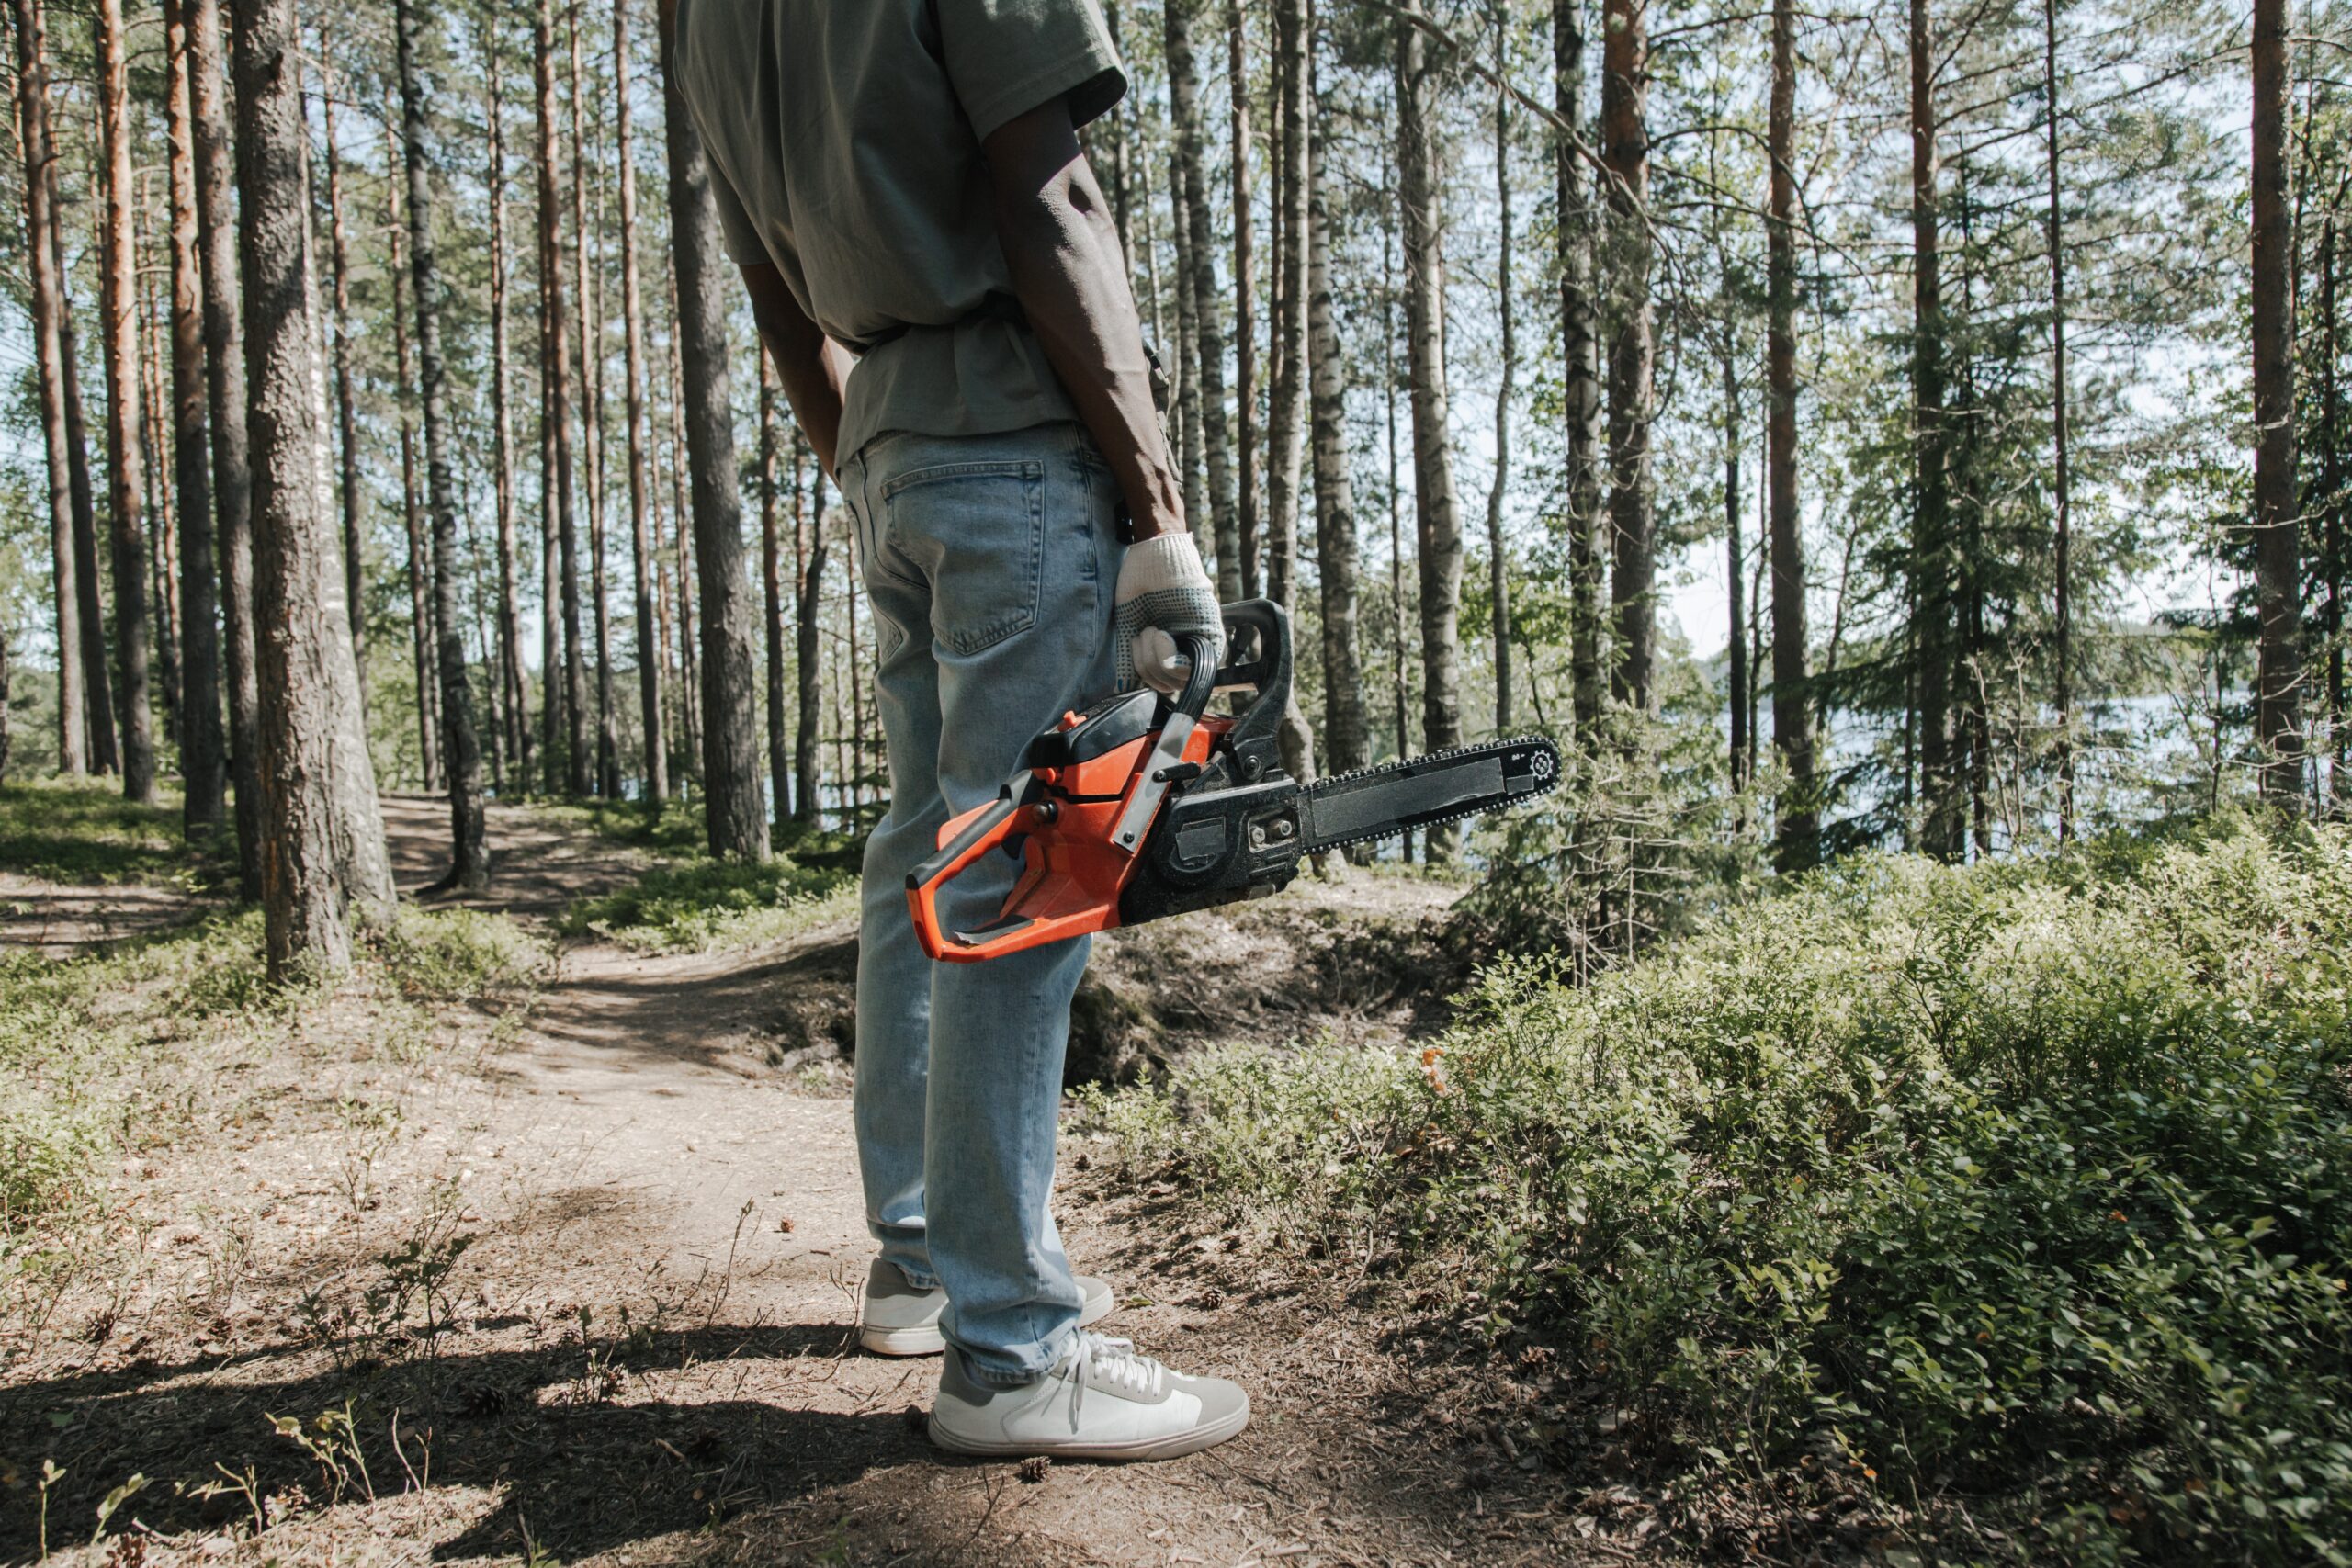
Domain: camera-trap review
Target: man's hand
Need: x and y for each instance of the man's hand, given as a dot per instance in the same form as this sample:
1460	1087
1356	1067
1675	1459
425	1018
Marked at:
1163	598
1063	251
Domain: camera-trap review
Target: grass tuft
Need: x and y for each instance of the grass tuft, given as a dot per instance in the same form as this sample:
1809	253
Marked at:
81	830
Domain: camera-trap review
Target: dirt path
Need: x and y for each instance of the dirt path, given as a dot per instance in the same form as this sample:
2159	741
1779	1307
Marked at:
648	1355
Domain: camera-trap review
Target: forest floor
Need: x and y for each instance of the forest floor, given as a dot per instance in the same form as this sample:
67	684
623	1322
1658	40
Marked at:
570	1272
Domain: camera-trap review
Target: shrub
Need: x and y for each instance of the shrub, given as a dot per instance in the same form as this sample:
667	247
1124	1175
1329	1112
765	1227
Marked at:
2025	1182
710	904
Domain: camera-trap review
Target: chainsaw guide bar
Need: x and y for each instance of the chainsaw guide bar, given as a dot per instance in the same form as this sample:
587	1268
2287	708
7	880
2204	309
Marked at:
1144	806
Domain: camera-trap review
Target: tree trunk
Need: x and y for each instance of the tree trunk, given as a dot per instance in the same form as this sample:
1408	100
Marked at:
49	310
808	560
97	679
1287	411
1798	820
1931	546
163	552
224	363
771	596
1437	505
1632	358
592	426
1245	303
1187	438
555	338
1345	738
2340	767
470	851
423	639
649	665
1498	560
1183	93
125	455
312	789
2060	477
736	817
1735	552
1581	344
204	763
2278	724
510	624
1395	486
346	417
682	540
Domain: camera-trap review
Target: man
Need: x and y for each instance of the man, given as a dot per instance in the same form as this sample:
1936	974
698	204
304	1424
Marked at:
934	272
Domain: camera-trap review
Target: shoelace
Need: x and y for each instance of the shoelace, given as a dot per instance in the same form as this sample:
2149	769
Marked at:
1111	1361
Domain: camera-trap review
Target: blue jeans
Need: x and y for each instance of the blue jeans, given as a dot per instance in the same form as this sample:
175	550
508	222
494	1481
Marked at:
991	562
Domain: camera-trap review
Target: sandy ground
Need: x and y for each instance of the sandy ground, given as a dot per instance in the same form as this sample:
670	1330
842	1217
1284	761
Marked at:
642	1351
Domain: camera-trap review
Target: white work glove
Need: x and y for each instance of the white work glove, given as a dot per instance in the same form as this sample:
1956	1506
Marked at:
1163	597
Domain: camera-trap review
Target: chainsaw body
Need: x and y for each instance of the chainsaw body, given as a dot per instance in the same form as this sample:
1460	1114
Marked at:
1138	808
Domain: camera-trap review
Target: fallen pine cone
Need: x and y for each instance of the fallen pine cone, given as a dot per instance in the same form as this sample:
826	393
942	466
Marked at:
1033	1468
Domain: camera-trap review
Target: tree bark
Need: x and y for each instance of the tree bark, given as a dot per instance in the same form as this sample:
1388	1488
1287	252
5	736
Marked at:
1249	496
1346	741
1187	436
555	331
591	425
510	623
204	763
97	679
2060	480
735	816
1931	522
423	639
470	850
346	418
1799	819
649	665
125	446
1580	345
809	557
49	310
1633	355
2278	724
1736	553
224	364
1184	92
1287	408
1437	504
1498	559
309	889
771	596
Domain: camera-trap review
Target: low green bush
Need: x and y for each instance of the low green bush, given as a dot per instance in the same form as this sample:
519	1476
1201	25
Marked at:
460	952
2025	1184
710	904
81	830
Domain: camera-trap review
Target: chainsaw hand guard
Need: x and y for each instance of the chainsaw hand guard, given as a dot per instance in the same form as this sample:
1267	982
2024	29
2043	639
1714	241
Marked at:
1088	783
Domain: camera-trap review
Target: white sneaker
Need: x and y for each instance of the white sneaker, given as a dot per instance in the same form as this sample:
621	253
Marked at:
897	1319
1102	1401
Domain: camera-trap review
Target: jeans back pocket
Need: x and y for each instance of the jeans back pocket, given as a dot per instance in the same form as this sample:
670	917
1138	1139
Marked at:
978	531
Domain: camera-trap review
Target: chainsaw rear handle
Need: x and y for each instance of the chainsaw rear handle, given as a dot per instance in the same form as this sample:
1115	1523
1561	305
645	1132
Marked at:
1022	804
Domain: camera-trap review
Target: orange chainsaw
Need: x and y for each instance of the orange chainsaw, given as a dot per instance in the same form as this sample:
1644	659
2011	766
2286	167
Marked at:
1144	805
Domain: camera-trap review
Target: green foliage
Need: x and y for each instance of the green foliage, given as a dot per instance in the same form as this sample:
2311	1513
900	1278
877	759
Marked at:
705	905
460	952
678	830
2032	1182
81	830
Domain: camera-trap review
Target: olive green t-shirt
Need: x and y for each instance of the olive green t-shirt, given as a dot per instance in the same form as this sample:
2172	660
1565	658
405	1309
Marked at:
844	144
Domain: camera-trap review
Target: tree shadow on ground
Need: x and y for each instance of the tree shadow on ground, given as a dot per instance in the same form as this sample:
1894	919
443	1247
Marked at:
591	1446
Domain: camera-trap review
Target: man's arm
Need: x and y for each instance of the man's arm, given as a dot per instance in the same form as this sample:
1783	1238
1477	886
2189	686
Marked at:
1063	250
811	366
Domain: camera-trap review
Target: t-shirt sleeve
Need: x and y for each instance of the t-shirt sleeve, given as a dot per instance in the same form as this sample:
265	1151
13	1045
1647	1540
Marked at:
1006	57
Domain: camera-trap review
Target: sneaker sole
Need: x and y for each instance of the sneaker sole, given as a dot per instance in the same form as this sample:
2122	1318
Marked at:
928	1341
1138	1451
